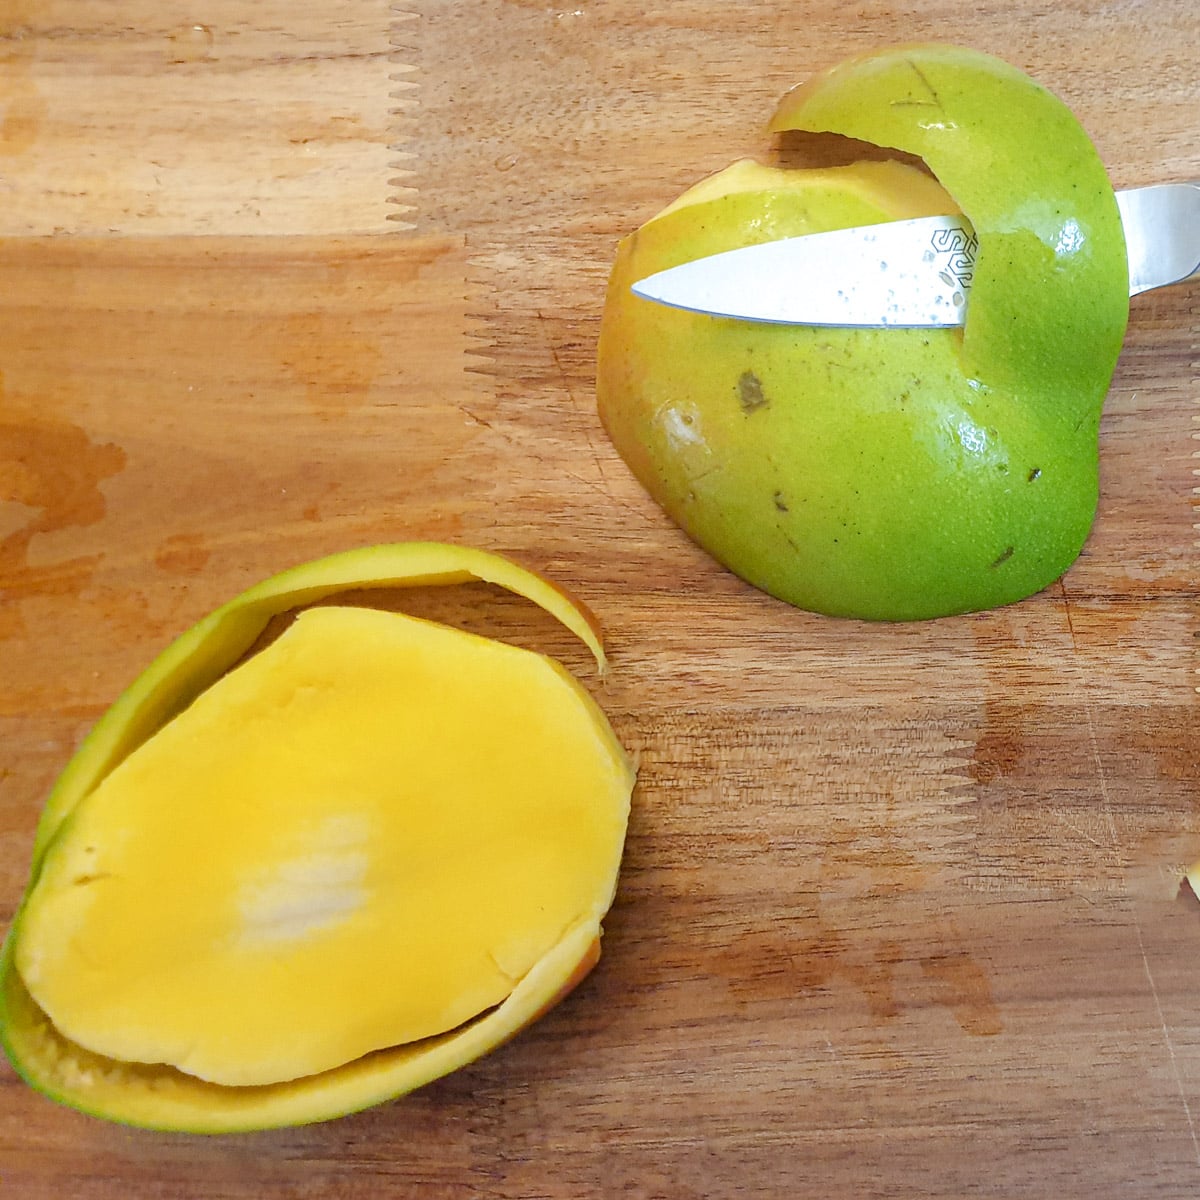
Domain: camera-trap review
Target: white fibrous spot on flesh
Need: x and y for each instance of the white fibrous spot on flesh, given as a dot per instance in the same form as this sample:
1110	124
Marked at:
311	891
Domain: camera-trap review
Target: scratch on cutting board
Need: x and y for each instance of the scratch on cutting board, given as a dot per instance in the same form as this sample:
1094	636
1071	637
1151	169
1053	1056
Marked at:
1066	599
1137	926
1101	781
1105	807
604	487
1078	831
1162	1020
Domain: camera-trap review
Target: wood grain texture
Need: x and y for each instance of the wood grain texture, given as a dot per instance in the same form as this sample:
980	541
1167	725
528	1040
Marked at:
176	117
900	912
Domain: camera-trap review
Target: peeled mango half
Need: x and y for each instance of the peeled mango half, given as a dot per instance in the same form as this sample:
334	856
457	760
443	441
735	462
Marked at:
887	474
274	888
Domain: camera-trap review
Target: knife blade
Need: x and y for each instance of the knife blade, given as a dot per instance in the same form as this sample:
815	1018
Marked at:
906	274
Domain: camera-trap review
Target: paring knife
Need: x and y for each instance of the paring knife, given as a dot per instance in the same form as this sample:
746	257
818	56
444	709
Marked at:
914	273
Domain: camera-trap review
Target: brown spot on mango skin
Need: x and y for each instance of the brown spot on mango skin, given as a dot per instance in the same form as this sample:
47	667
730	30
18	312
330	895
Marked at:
750	393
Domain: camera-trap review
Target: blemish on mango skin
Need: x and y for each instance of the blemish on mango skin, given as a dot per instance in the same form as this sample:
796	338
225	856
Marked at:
750	393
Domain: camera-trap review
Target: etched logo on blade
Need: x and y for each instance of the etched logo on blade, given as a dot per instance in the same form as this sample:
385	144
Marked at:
958	248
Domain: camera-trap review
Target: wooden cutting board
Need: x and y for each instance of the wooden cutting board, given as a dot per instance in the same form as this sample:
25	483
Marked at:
901	908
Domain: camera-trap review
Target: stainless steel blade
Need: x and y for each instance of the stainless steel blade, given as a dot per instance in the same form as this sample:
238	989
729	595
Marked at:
1162	234
913	273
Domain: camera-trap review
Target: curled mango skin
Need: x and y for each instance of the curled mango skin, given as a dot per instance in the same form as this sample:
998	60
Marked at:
163	1098
211	647
1050	294
894	474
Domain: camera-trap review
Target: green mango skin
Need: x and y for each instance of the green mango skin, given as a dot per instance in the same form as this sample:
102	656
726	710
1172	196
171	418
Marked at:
888	474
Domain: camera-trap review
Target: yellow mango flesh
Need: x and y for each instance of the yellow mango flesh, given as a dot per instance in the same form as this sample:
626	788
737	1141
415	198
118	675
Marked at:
366	835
